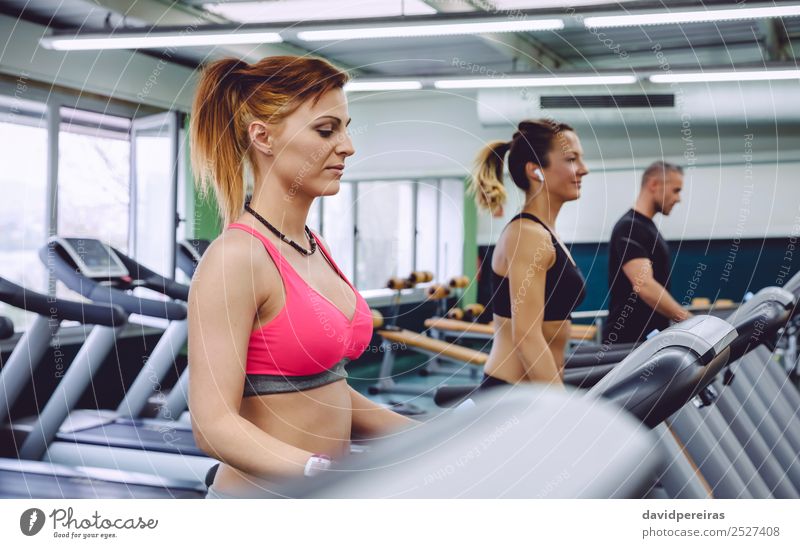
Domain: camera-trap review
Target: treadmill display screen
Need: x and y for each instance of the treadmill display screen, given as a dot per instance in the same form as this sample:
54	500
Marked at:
92	252
94	258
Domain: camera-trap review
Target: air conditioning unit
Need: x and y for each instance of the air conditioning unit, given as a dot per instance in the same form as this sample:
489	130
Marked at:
682	104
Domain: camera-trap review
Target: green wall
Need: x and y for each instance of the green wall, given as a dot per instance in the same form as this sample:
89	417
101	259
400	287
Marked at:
204	222
470	246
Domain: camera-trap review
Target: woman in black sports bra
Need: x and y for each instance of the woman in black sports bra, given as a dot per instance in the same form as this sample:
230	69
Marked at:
536	283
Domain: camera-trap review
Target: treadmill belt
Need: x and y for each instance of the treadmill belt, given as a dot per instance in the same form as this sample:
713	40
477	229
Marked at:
22	485
136	435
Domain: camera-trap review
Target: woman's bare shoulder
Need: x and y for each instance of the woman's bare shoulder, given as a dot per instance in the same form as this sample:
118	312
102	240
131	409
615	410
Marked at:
237	260
523	240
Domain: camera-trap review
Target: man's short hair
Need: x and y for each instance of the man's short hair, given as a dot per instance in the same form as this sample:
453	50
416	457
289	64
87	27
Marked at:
660	169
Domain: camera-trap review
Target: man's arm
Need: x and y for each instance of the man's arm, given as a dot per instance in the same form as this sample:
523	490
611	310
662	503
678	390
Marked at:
640	274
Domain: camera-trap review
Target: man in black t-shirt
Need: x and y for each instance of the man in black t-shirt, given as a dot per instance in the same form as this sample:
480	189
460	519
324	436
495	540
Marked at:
639	262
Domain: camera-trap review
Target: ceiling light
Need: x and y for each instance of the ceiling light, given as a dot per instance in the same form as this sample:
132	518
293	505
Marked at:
383	85
736	76
538	81
311	10
697	16
158	40
409	31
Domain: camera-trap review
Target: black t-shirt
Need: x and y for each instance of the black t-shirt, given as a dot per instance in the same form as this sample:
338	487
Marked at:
629	318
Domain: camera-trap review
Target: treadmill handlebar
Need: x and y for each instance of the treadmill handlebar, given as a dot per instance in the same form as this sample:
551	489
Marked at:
668	370
705	335
759	319
61	309
154	281
756	330
793	285
152	308
776	295
65	270
6	328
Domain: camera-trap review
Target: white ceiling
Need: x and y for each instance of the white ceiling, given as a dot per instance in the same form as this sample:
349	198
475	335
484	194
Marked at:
573	49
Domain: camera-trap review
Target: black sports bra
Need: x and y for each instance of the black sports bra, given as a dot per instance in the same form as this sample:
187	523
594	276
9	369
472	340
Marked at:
564	287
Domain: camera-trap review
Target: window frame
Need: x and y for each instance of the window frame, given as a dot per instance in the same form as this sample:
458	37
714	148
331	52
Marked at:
45	103
415	182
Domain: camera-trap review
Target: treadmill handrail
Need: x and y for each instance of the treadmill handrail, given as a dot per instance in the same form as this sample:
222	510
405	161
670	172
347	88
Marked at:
689	334
188	254
768	294
153	280
17	296
698	333
758	328
793	284
99	293
758	320
6	328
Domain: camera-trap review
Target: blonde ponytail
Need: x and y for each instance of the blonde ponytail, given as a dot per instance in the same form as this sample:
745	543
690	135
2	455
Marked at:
217	153
487	178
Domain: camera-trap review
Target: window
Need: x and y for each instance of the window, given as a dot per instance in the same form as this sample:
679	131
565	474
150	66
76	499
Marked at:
451	229
396	226
90	188
337	227
93	177
313	219
385	242
154	149
427	225
23	207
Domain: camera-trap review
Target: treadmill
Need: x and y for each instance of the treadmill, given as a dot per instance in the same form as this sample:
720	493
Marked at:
21	478
175	403
6	328
519	442
168	405
716	431
188	253
548	443
64	435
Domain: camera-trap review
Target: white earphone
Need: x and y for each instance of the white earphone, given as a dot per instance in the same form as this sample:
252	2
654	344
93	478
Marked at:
540	175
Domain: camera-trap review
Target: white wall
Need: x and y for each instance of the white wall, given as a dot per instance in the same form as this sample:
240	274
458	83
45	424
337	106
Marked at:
740	181
718	201
424	133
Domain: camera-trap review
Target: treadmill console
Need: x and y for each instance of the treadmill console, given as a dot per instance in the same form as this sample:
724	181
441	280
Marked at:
192	249
93	258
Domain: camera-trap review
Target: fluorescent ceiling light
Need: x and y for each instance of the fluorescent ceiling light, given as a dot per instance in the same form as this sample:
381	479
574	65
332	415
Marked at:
315	10
698	16
737	76
383	85
159	40
504	5
538	81
408	31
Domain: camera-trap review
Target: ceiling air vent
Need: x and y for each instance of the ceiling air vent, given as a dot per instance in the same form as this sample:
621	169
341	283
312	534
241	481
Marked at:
608	101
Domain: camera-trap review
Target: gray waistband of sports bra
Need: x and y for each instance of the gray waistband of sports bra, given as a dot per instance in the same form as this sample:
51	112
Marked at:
262	385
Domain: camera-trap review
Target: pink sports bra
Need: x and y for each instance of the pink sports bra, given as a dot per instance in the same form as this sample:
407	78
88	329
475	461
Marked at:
307	344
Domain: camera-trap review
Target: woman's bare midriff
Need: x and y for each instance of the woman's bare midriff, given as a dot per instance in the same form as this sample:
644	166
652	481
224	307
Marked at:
504	362
316	420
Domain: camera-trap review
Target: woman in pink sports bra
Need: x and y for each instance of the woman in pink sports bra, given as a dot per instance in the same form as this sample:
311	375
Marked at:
272	319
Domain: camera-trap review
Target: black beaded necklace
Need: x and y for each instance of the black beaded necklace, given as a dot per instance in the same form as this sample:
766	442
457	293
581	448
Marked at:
279	234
